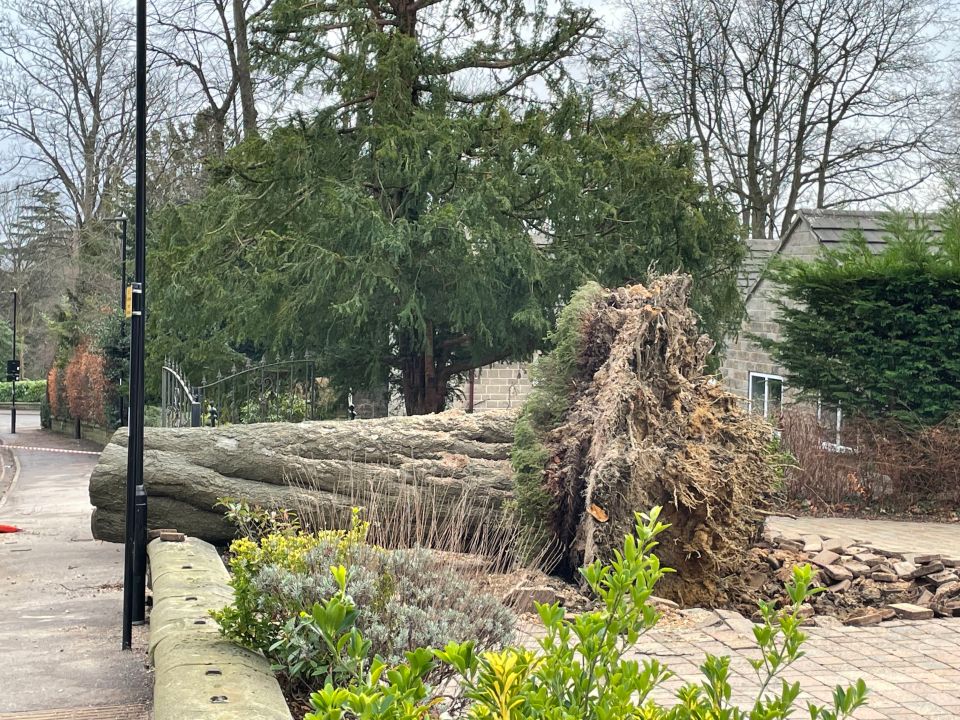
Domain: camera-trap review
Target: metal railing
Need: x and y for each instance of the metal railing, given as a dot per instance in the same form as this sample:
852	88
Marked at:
268	391
179	406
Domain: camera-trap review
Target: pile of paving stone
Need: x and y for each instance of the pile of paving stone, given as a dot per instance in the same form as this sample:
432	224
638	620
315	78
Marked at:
865	584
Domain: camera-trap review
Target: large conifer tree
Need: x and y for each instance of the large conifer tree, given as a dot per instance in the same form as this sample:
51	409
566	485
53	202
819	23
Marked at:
447	195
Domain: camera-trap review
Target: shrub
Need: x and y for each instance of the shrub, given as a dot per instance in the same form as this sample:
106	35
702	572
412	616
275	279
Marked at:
85	388
876	332
884	462
55	393
582	668
404	599
45	415
274	407
27	390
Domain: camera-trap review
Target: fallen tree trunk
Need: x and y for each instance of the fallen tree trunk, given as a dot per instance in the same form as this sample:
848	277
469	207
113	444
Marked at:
330	466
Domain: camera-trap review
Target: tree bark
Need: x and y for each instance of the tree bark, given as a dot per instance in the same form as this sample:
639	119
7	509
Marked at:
248	105
324	465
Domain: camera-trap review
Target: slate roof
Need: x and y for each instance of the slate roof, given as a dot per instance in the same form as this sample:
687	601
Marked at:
832	226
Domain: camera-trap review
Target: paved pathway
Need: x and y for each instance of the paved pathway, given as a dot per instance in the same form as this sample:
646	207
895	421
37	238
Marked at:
912	670
60	590
893	535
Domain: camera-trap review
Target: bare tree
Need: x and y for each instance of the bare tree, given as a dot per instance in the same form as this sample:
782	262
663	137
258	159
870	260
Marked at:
789	101
66	99
207	41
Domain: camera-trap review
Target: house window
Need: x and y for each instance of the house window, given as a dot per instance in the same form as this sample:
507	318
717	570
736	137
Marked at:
830	418
765	395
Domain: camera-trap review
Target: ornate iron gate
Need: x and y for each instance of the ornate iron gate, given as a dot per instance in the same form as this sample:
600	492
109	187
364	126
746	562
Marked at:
278	391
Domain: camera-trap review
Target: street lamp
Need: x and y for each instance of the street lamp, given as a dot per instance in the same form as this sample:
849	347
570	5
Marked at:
13	370
134	568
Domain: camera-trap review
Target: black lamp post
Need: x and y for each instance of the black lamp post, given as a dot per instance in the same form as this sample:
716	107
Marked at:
134	571
13	373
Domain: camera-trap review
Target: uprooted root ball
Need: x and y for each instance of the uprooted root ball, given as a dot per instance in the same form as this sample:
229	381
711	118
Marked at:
644	426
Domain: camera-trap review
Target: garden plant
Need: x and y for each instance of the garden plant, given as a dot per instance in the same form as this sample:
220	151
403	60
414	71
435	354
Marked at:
582	668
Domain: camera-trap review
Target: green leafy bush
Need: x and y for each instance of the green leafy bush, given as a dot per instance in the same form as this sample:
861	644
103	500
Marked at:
274	407
582	668
27	391
404	599
45	414
876	333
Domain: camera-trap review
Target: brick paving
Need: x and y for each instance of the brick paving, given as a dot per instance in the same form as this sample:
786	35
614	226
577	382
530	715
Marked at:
912	669
893	535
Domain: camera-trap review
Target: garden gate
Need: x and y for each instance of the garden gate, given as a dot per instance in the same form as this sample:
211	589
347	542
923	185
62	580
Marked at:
278	391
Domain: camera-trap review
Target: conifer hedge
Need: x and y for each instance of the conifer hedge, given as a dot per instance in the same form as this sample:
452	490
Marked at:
878	333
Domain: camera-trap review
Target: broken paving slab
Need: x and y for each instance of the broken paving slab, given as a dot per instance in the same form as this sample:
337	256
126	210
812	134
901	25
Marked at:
925	570
837	545
909	611
942	577
825	558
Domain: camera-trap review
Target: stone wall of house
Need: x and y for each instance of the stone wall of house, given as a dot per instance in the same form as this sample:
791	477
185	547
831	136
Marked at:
743	356
503	385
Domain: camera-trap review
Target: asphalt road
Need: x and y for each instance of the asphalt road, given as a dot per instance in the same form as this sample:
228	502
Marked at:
60	590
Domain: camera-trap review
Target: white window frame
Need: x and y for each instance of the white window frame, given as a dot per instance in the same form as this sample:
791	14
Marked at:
766	391
835	446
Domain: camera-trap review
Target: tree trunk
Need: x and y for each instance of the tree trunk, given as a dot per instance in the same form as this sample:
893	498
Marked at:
328	467
248	105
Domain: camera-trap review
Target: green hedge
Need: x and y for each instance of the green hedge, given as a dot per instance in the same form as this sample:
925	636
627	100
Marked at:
877	332
27	391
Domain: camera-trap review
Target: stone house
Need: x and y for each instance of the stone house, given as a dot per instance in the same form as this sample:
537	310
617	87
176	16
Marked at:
748	370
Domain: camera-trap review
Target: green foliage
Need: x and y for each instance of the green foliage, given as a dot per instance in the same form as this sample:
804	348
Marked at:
27	391
255	522
876	332
553	376
582	669
418	228
284	587
6	341
274	407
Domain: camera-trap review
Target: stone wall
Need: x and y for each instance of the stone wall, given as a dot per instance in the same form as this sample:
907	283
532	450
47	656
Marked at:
200	675
503	385
743	356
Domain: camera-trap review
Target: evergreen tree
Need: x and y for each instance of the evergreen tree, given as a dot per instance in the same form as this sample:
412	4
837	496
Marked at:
434	214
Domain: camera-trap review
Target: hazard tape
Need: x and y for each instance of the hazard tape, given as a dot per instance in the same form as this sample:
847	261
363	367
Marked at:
53	450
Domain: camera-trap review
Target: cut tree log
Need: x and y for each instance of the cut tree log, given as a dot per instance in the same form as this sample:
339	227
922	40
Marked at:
445	457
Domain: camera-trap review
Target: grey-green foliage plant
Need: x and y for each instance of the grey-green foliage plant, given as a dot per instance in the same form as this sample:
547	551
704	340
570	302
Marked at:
403	599
582	669
876	332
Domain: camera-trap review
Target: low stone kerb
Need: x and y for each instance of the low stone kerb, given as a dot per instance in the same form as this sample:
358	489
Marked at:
199	674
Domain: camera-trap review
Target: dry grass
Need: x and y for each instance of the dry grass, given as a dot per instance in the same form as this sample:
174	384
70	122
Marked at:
476	539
